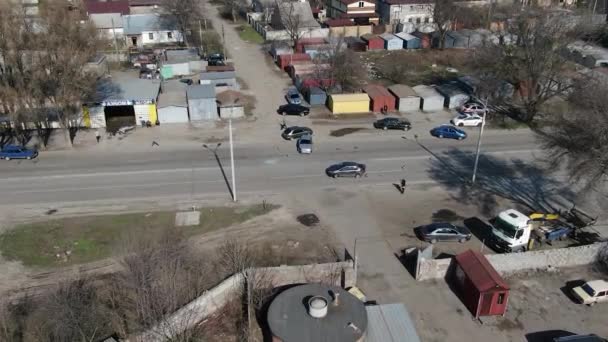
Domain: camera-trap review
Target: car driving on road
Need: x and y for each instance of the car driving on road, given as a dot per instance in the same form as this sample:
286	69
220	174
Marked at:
448	131
393	123
304	144
467	120
442	231
295	132
293	109
293	97
346	169
9	152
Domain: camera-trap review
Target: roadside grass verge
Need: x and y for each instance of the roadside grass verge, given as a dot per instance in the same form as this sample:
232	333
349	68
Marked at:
248	34
76	240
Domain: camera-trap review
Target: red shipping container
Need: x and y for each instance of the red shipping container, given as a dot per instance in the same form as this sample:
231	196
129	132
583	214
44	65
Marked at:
381	99
308	41
481	288
373	42
308	82
285	60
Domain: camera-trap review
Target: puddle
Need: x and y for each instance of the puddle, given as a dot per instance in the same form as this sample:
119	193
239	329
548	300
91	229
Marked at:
309	220
345	131
445	215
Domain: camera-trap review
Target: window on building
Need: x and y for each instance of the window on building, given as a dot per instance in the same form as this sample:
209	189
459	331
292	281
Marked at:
170	35
426	20
501	298
151	36
418	21
410	20
411	8
361	4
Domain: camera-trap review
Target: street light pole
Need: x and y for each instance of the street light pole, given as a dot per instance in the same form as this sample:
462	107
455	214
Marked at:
483	123
232	161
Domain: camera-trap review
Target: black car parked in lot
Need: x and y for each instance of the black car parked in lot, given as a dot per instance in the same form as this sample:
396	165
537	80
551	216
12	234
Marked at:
346	169
393	123
295	132
293	109
442	231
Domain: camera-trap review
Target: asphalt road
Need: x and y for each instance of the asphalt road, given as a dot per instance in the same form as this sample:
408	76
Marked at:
272	168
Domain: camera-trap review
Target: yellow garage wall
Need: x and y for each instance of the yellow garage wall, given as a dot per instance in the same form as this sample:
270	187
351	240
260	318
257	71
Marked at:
86	117
153	113
349	103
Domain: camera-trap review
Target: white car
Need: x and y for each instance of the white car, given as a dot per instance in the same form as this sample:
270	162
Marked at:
467	120
591	292
473	108
304	144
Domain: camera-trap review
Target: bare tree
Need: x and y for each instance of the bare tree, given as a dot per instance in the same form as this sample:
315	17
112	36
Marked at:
337	67
528	55
184	13
287	17
233	8
578	138
444	14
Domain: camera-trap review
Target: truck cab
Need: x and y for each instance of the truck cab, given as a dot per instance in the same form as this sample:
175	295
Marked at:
511	231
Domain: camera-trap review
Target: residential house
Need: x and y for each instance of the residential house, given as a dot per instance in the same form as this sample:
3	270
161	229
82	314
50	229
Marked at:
416	12
286	13
107	16
150	29
144	6
357	11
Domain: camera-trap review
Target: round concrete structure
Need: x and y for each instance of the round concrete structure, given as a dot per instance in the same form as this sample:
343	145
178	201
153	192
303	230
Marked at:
290	319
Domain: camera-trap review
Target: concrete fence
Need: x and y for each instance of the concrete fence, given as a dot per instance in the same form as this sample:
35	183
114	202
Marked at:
507	264
339	274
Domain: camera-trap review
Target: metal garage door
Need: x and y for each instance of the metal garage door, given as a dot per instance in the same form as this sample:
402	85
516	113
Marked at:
173	114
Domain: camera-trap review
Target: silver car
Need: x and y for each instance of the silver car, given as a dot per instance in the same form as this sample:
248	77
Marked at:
293	97
304	144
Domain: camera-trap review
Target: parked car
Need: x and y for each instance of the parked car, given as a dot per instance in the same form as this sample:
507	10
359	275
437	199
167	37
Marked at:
295	132
346	169
448	131
442	231
216	59
293	97
473	107
393	123
467	120
293	109
579	338
9	152
591	292
304	144
187	81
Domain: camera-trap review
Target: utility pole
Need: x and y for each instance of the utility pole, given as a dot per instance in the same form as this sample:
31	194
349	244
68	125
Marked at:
232	161
200	35
115	42
223	43
483	123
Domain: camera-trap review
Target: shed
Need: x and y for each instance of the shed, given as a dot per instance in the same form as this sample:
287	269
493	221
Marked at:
407	99
201	102
302	42
381	99
459	40
284	60
390	323
348	103
355	44
220	79
430	99
230	104
313	50
315	96
303	82
373	42
425	39
436	37
172	104
453	95
409	41
220	68
280	47
475	38
480	287
391	42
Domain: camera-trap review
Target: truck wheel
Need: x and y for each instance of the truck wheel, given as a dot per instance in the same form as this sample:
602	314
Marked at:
385	128
7	158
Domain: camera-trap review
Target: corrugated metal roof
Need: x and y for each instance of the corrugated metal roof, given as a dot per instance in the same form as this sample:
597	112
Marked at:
426	91
405	36
200	91
349	97
388	36
126	86
138	23
117	6
104	20
218	75
375	91
390	323
401	91
478	269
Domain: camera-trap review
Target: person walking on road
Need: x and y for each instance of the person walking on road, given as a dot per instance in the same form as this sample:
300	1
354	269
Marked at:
97	136
403	184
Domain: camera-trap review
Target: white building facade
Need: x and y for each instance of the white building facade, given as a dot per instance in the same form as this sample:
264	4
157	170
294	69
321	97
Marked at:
417	13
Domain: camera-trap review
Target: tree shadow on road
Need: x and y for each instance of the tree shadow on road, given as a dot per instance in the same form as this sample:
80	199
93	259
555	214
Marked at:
524	184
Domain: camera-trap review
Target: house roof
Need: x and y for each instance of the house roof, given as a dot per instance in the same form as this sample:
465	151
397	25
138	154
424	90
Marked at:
182	56
126	86
106	20
174	94
479	270
388	36
137	23
367	37
360	15
406	36
409	2
339	22
401	91
116	6
217	75
390	323
300	9
425	91
200	91
375	90
145	2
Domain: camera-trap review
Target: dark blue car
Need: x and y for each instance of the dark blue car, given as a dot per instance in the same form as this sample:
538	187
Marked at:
448	131
9	152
